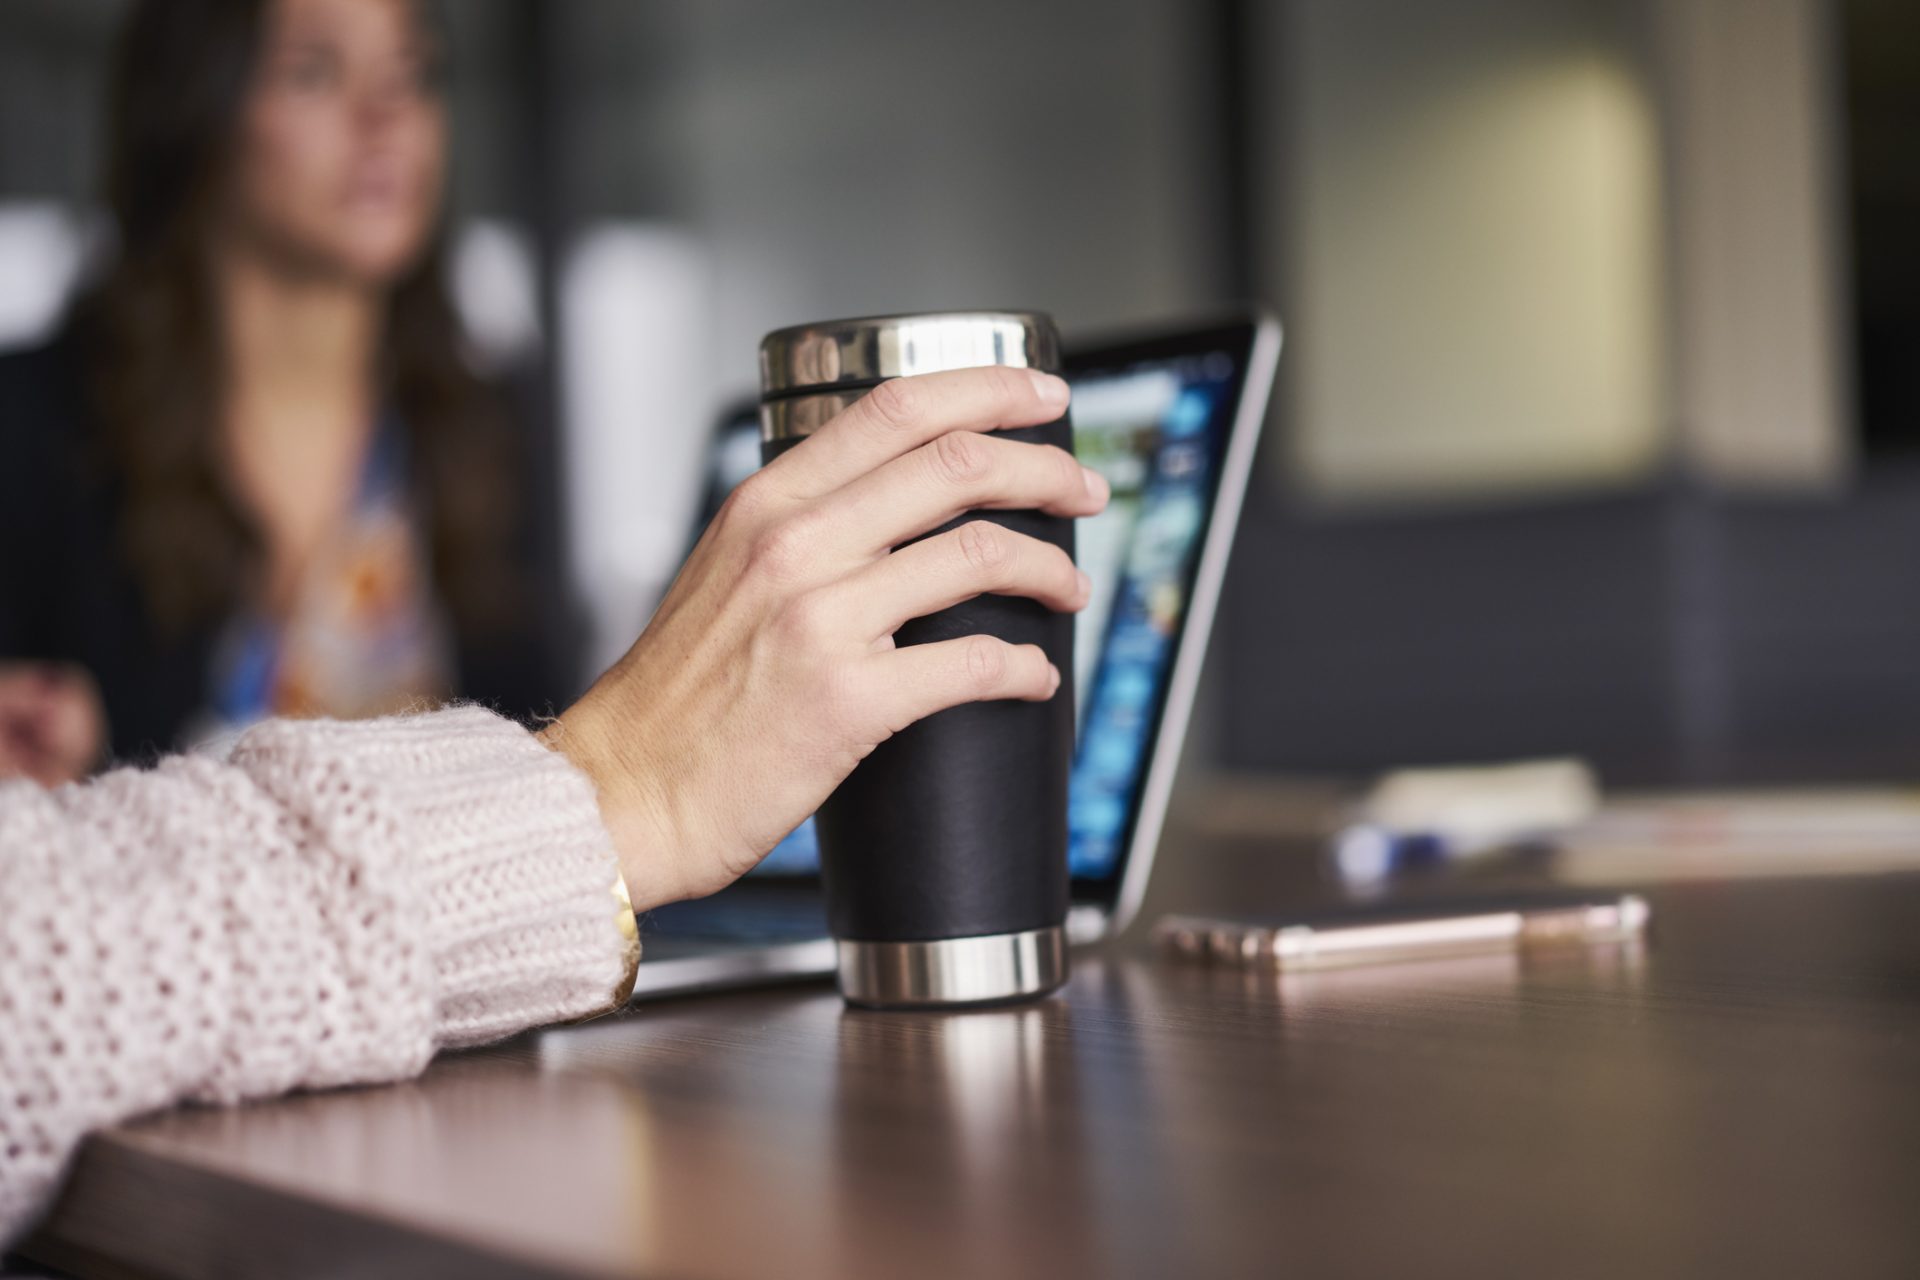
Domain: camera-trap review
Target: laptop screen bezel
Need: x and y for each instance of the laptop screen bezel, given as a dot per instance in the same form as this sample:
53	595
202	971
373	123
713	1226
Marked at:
1235	339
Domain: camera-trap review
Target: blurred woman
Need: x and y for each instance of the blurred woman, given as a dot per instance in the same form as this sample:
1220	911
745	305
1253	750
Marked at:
255	474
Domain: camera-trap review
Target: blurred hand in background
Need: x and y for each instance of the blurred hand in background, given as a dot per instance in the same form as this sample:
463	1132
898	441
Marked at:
52	727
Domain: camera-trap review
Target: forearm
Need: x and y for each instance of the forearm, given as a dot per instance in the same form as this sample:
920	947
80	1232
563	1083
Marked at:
326	908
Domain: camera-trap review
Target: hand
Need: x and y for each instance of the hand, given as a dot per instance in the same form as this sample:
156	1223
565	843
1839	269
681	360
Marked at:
52	728
770	670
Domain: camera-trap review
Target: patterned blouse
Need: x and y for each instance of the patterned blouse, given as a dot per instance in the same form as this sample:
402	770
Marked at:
364	636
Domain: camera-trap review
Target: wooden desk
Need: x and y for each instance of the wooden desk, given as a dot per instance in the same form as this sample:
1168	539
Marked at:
1740	1096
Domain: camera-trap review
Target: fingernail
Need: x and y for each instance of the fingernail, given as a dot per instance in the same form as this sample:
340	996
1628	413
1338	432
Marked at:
1086	583
1056	680
1051	390
1096	484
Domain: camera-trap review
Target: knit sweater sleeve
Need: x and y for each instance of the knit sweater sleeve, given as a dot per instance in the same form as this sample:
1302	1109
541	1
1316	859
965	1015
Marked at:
326	907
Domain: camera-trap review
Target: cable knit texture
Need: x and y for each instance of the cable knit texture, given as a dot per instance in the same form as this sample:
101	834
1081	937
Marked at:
326	907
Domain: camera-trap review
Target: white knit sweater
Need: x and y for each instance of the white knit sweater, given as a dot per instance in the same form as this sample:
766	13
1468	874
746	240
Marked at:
326	907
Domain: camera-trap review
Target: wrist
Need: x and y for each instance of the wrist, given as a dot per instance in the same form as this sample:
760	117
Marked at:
631	799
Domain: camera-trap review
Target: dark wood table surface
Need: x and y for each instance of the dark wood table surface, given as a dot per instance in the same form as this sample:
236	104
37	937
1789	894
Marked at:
1739	1095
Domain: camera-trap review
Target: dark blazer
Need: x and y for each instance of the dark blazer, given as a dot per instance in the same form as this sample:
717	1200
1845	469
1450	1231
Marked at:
67	595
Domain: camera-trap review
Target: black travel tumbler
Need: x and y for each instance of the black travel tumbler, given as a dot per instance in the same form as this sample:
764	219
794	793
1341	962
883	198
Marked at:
944	853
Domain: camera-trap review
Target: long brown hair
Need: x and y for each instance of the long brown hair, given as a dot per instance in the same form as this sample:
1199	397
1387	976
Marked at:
150	329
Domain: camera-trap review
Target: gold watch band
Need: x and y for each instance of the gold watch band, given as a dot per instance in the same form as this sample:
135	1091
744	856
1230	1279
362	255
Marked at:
630	934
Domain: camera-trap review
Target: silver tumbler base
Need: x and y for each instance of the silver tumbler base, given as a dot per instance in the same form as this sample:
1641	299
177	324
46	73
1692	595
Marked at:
954	971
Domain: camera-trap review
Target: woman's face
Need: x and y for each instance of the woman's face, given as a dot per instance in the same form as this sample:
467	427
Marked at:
342	144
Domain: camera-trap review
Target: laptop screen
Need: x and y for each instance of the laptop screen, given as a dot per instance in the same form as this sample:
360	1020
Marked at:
1155	422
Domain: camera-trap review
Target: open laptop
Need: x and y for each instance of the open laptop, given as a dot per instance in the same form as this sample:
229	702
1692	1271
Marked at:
1171	421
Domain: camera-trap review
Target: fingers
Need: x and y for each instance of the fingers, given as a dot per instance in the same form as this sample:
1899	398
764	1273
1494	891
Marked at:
921	679
957	472
977	558
902	414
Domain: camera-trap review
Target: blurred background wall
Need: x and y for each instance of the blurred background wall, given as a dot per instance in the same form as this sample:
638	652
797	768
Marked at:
1596	429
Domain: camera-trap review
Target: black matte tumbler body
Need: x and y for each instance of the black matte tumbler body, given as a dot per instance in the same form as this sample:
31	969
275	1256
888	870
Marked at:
944	853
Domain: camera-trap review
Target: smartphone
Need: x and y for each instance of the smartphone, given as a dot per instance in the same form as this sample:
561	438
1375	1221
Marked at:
1414	932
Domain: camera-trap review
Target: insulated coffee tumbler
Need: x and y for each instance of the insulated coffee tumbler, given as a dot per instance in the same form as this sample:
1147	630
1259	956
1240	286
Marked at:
944	854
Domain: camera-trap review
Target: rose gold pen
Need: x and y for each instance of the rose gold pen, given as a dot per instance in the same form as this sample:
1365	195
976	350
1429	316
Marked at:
1339	944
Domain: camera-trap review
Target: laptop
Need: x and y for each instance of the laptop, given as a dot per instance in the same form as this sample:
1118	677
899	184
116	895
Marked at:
1171	420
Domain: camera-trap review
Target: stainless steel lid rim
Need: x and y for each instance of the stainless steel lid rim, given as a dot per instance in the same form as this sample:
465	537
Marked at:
868	350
